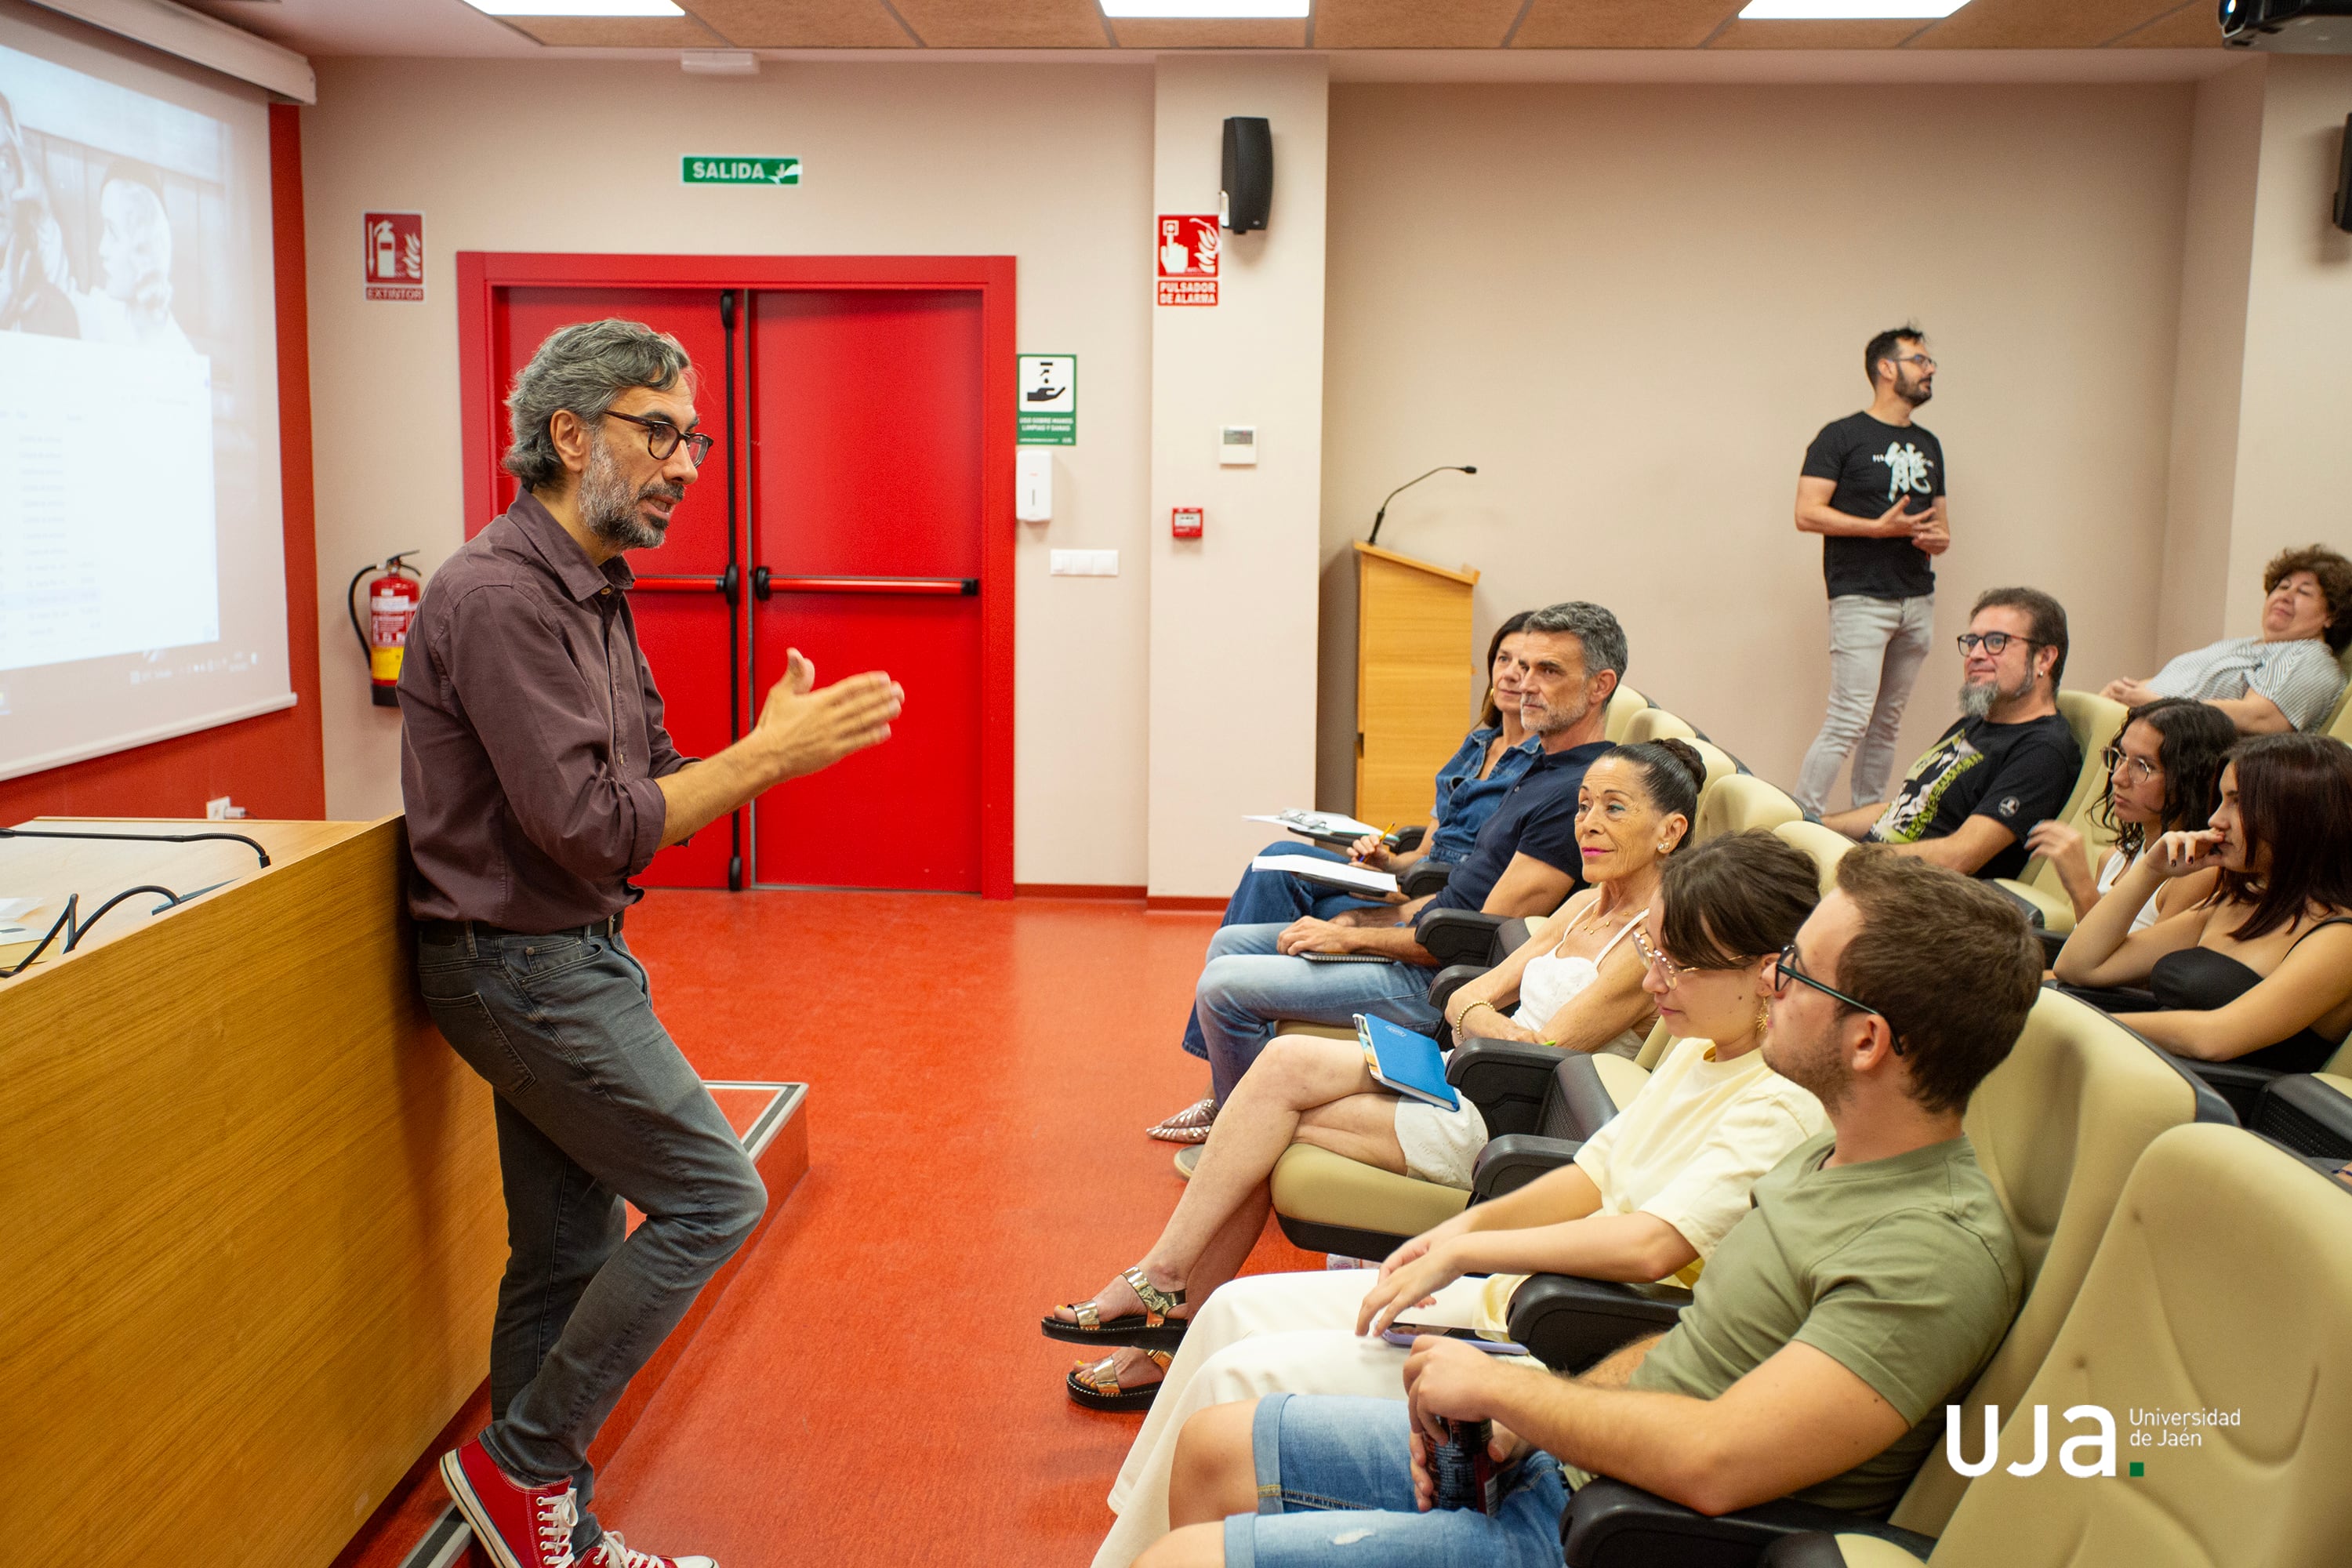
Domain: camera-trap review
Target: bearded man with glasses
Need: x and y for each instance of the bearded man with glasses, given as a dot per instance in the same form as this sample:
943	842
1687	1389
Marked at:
2008	762
539	778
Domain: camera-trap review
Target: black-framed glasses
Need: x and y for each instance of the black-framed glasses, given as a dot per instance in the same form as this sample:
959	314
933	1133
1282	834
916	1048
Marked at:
662	438
2142	769
1994	642
1786	968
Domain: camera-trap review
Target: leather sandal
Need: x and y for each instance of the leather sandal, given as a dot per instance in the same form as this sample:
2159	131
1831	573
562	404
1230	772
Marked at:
1151	1328
1095	1384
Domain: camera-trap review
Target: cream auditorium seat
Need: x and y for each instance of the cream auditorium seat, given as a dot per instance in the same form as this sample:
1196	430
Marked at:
2057	1128
1655	725
2337	721
1739	802
1623	703
1720	764
2095	721
1825	846
2221	1284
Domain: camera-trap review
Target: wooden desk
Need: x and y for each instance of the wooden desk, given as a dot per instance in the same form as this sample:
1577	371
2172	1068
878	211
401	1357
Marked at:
254	1230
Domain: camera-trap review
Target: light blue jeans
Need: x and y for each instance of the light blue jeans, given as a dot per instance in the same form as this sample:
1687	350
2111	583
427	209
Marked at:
1247	988
1876	647
1335	1487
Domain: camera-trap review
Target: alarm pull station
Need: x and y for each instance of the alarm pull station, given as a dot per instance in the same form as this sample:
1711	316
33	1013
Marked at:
1237	446
1185	522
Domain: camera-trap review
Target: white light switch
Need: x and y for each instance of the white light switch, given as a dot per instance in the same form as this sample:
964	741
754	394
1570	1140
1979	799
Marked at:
1083	563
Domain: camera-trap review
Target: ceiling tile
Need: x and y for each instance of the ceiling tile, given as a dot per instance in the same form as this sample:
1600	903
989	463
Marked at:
2194	26
1412	24
1006	23
802	24
2039	25
1158	33
1615	24
1874	35
616	32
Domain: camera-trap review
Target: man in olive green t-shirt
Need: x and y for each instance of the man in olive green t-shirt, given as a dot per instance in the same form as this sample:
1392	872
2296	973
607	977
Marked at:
1869	1285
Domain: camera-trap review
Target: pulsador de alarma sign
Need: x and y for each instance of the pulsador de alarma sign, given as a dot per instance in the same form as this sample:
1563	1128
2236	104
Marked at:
738	170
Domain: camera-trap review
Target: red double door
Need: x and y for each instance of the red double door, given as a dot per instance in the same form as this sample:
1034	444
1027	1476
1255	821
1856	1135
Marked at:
841	515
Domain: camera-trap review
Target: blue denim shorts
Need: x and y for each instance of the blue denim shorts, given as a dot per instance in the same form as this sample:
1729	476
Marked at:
1335	1486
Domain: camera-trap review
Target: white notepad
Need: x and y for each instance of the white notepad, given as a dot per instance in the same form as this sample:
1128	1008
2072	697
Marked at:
1338	873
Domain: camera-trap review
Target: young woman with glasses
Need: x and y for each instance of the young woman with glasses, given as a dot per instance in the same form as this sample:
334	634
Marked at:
1647	1197
2164	775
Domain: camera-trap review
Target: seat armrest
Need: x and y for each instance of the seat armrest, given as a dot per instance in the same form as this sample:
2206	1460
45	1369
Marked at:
1409	838
1459	936
1506	1080
1424	876
1569	1322
1846	1549
1450	979
2307	1114
1512	935
1583	1096
1610	1524
2240	1086
2043	911
2052	941
1510	1162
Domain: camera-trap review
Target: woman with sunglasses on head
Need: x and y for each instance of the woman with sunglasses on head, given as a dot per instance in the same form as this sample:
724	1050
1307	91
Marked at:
1647	1198
2164	775
2259	972
1579	983
1494	756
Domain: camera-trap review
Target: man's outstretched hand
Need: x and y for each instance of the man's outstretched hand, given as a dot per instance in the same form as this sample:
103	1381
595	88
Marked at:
806	729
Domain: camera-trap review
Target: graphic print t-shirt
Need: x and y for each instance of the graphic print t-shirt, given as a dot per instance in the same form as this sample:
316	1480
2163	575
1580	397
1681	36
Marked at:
1875	465
2016	775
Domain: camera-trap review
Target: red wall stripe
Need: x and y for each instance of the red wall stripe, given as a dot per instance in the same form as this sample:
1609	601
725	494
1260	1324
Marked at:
275	764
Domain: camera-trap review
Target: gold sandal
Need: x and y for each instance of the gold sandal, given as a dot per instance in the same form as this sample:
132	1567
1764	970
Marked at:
1095	1384
1151	1328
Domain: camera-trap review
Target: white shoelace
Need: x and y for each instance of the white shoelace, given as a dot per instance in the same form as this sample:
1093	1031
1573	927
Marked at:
618	1555
557	1515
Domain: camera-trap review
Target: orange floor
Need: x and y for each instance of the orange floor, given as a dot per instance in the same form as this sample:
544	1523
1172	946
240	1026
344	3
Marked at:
872	1389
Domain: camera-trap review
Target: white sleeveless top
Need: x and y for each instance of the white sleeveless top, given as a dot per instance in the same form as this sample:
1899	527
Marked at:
2112	872
1552	979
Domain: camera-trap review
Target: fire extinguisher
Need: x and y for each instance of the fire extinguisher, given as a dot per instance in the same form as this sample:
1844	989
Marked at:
392	599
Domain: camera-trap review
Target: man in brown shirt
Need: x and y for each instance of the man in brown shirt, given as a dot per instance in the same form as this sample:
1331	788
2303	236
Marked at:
538	780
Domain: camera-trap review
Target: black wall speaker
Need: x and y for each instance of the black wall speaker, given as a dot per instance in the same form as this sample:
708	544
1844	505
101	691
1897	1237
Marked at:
2343	180
1248	191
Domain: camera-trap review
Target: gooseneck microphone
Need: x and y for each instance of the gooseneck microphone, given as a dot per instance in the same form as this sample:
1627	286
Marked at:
1443	468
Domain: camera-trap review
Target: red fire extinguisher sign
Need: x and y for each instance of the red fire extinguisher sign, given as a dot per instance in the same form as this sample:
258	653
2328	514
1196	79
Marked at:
392	601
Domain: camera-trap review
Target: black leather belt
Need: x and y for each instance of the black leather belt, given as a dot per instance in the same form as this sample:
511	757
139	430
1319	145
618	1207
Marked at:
449	934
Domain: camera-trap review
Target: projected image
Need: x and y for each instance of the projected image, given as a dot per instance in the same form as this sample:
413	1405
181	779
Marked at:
115	302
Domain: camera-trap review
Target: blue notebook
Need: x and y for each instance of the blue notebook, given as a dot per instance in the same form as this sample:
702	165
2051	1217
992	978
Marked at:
1407	1062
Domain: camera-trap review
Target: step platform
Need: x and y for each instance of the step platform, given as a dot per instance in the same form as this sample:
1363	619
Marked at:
418	1527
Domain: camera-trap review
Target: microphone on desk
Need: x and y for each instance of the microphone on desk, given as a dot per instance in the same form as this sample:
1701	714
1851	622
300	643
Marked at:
1443	468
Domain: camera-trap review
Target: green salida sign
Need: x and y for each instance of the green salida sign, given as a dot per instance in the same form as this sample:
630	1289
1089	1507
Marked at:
740	171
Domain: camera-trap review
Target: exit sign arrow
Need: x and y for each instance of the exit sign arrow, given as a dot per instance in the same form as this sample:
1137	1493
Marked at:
740	171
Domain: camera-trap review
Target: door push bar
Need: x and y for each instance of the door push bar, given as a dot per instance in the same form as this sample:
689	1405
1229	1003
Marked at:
727	584
764	583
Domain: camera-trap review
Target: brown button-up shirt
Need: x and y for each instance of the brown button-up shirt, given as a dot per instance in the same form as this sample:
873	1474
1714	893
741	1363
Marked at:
533	733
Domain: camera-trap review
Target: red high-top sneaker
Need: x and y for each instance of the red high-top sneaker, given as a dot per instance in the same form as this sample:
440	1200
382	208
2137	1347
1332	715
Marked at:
518	1526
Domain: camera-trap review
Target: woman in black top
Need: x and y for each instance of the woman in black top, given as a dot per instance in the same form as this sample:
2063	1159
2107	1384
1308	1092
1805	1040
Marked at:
2261	973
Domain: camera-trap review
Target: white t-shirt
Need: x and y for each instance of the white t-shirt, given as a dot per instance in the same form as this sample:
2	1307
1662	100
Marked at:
1689	1148
2116	864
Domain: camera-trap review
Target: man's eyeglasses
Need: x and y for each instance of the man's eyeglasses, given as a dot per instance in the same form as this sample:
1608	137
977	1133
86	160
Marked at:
662	438
1994	642
2141	768
1787	968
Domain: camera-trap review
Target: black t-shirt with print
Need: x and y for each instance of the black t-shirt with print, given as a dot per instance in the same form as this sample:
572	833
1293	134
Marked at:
2016	775
1537	818
1876	464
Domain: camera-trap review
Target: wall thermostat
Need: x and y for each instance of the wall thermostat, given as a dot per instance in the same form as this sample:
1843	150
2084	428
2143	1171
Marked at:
1184	522
1237	446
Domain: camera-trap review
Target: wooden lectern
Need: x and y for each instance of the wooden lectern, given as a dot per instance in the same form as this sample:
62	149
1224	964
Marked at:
1413	647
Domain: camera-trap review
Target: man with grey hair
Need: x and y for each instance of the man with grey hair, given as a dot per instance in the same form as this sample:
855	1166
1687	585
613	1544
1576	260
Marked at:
539	779
1524	862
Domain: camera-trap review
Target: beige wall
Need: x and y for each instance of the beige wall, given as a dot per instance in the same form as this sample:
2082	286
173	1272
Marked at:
1632	307
1232	613
2294	456
1050	164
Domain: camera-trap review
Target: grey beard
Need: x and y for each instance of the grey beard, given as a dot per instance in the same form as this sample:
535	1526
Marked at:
607	508
1976	698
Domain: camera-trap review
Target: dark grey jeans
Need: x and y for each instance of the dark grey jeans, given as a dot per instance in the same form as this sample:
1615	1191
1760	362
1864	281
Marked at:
595	1105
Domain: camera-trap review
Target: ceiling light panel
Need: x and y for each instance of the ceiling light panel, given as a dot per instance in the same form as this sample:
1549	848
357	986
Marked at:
598	9
1847	10
1203	10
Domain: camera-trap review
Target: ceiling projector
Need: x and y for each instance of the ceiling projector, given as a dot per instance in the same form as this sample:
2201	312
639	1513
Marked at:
2288	26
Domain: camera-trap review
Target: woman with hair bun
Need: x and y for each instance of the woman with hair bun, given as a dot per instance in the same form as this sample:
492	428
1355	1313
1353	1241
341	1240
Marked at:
1579	983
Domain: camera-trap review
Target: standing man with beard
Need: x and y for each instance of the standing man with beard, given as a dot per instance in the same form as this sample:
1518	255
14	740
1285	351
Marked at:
1872	487
539	779
2007	763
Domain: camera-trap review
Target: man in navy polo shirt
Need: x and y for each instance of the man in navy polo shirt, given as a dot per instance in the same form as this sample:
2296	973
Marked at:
1524	863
